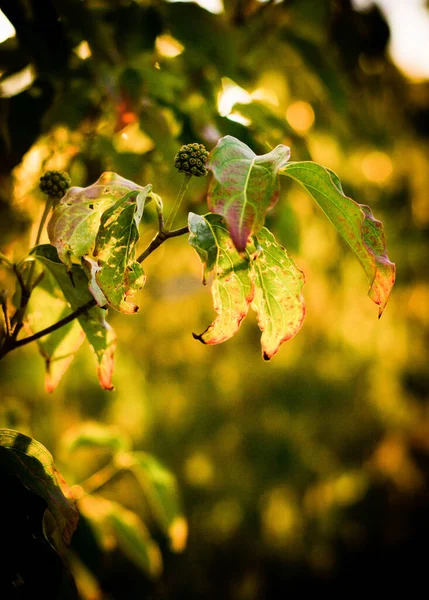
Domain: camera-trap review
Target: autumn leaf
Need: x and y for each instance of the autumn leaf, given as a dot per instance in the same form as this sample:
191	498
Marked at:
354	222
232	287
278	299
46	306
244	186
100	335
29	461
118	276
75	221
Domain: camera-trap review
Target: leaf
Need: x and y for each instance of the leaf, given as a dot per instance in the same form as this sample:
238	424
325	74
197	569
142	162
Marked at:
47	305
33	465
118	275
232	288
94	435
354	222
100	335
75	221
244	186
162	494
111	520
278	300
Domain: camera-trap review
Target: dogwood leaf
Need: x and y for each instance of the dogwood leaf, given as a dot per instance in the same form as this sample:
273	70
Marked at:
75	221
244	186
100	335
29	461
278	299
118	275
354	222
232	287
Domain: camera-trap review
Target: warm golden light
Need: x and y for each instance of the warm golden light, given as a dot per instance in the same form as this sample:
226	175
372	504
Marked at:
168	46
377	167
300	116
7	30
83	50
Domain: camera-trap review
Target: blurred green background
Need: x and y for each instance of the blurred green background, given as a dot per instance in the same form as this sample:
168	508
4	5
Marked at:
310	472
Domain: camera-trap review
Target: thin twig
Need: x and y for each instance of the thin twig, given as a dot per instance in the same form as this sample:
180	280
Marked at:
32	338
159	239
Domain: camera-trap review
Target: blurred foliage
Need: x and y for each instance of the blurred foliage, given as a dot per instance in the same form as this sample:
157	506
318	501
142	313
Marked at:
310	472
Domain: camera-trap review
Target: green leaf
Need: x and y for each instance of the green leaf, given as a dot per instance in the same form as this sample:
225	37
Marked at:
354	222
111	521
118	275
33	465
75	221
244	186
100	335
95	435
278	299
232	288
134	540
162	495
47	305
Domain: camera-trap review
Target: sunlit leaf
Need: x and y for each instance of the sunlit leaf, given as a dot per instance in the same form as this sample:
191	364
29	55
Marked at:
244	186
355	223
232	287
76	219
48	305
95	435
278	300
119	275
162	494
112	521
99	333
33	465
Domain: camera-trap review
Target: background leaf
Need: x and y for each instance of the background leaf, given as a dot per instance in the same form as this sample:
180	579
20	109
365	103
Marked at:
278	300
244	185
119	275
232	287
33	465
161	491
99	333
112	520
46	306
354	222
75	221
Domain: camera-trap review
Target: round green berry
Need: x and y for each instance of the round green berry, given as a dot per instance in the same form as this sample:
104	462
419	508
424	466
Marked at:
55	183
191	159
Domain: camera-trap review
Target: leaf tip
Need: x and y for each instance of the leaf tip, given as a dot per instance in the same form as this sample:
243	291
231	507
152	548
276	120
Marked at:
198	337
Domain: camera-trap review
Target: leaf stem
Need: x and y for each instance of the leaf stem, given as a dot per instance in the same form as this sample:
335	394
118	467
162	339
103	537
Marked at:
159	239
177	203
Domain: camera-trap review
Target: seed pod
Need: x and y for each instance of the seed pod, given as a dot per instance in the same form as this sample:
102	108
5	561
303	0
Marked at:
191	159
55	183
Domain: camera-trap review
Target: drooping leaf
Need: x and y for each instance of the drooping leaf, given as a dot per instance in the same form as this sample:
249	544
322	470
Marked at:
75	221
232	287
278	299
244	186
100	335
354	222
118	275
162	494
48	305
114	522
29	461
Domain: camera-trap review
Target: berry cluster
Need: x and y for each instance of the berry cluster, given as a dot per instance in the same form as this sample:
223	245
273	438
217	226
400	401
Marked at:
55	183
192	159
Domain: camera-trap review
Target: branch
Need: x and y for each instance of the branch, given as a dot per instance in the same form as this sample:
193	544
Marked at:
32	338
159	239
